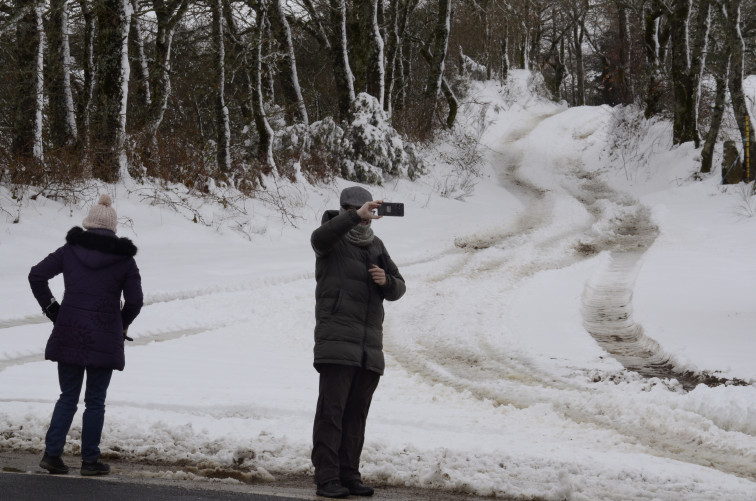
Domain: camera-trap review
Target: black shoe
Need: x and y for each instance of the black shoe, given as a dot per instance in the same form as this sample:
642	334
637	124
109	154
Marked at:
357	488
94	468
53	464
332	489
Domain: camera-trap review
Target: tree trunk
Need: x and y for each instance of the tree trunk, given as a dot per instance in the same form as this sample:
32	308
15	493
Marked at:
392	46
398	14
264	130
579	33
112	75
239	50
27	120
375	69
62	118
736	47
482	8
560	71
624	84
222	125
505	54
699	46
707	153
401	77
651	46
451	99
340	58
294	104
438	48
167	15
268	64
524	46
84	104
683	83
142	98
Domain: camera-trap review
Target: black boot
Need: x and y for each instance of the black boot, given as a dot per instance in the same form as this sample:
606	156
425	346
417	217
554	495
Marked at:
53	464
94	468
357	488
332	489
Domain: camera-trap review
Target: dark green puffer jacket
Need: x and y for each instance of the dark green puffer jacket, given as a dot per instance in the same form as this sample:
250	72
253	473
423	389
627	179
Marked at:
349	305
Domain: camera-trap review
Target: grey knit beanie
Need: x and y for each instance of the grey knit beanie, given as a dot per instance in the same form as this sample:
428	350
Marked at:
355	196
102	215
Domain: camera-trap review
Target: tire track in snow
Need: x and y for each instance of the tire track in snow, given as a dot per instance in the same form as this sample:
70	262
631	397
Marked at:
181	295
677	434
607	297
21	321
622	227
144	339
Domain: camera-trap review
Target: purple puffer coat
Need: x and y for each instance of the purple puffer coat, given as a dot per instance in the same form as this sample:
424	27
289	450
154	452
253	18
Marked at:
97	266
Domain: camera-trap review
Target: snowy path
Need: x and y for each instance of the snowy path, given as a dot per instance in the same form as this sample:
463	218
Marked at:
473	360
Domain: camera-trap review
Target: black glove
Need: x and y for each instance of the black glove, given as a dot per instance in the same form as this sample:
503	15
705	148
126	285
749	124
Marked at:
126	337
52	311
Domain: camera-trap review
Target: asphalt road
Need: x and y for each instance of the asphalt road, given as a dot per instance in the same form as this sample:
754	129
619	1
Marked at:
24	486
22	479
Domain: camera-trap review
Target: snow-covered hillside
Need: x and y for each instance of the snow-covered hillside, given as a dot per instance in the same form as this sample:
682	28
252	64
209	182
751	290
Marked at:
528	288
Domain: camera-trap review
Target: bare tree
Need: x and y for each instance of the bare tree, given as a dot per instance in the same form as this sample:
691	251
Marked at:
398	15
654	40
63	131
721	76
731	10
84	103
27	118
446	89
108	127
142	98
222	124
168	13
688	49
295	106
376	74
576	11
340	57
438	47
264	130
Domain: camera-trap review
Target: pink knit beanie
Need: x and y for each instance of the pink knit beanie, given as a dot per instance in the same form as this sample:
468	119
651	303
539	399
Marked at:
102	215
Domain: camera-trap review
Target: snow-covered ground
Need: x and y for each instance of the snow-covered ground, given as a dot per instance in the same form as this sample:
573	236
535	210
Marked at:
500	376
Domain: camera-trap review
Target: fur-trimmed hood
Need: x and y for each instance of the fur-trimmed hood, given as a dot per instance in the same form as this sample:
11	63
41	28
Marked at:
98	248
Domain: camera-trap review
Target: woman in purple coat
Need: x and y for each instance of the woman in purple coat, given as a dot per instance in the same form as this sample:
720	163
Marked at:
89	327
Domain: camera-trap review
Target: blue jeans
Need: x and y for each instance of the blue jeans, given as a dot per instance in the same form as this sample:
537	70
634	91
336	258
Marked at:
71	378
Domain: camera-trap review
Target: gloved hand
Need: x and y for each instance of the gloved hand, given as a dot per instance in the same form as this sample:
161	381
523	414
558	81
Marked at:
52	311
125	336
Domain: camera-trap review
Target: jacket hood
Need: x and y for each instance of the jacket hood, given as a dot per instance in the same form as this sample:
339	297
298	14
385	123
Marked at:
328	215
99	248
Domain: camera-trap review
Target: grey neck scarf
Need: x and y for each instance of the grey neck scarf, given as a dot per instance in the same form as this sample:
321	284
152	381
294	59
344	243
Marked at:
361	235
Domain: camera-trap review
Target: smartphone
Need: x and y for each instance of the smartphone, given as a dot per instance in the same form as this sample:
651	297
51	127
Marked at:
391	209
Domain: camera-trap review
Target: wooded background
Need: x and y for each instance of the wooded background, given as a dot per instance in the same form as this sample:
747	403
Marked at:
184	90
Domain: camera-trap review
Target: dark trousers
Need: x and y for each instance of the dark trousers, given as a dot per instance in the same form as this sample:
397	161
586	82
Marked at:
71	378
339	429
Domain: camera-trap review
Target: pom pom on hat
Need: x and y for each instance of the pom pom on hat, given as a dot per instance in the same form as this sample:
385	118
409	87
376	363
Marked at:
102	215
105	200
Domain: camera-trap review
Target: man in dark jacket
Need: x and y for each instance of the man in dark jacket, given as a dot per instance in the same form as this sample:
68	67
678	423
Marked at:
354	274
89	327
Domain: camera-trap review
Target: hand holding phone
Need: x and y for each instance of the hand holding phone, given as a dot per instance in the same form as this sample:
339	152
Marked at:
391	209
